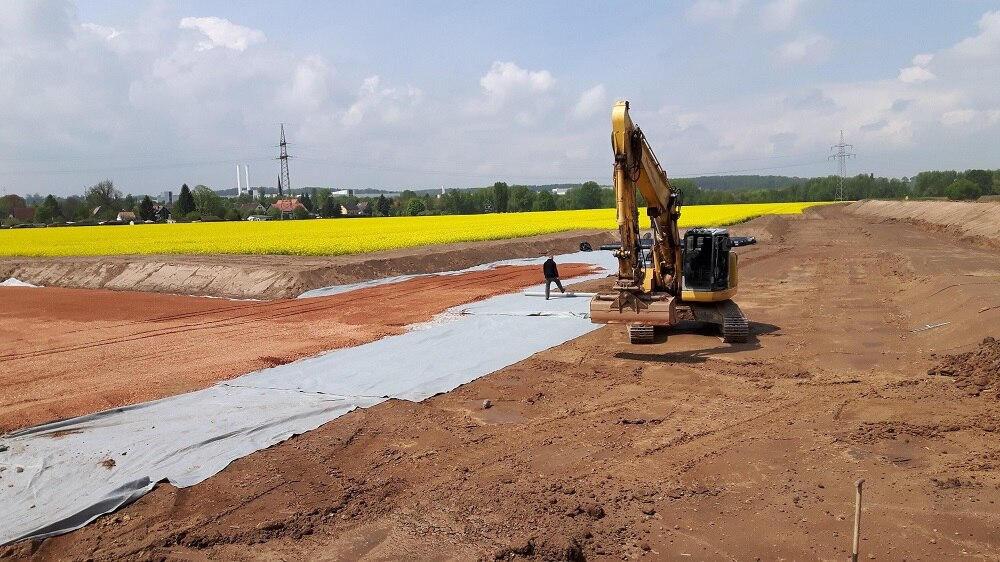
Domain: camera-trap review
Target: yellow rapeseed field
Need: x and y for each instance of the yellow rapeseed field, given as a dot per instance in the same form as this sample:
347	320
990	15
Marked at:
339	236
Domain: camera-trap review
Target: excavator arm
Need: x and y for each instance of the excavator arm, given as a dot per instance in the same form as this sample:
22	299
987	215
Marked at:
637	169
638	300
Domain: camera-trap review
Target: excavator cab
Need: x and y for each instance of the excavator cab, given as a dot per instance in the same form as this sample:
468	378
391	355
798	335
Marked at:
709	267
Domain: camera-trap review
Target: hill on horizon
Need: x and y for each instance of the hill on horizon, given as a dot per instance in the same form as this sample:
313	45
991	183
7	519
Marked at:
739	183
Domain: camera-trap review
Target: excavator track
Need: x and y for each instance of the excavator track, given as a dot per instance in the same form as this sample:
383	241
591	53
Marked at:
727	315
639	333
735	327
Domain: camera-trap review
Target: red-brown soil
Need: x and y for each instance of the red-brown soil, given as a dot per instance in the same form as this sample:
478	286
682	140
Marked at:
69	352
685	449
976	372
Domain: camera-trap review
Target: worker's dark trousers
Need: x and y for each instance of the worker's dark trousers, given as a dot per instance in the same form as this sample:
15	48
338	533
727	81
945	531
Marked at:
548	282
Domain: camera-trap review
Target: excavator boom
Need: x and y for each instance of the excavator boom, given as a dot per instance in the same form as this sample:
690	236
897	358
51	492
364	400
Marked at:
650	285
648	280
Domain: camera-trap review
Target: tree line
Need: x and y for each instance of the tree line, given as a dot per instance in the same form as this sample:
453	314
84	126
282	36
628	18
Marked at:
103	202
967	185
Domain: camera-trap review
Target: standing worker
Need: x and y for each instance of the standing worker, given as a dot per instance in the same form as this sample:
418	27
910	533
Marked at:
551	275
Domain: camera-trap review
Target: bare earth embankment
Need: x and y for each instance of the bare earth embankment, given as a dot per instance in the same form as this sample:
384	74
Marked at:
976	222
685	449
275	277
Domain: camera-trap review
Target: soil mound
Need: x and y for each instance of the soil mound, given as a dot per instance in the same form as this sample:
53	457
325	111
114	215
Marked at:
976	372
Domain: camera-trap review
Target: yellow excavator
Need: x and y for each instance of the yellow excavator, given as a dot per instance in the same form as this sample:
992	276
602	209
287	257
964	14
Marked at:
662	277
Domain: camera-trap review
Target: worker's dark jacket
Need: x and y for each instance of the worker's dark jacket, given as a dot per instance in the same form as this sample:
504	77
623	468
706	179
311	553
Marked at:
549	267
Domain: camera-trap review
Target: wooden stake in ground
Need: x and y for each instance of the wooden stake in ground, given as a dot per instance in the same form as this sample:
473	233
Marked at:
857	519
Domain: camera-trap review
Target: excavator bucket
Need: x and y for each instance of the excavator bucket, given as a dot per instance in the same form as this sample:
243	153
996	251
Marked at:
625	307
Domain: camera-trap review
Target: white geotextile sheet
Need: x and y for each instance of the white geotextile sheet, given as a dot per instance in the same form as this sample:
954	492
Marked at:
76	470
60	476
14	282
599	258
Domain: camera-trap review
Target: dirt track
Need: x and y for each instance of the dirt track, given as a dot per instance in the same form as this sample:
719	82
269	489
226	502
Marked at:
687	449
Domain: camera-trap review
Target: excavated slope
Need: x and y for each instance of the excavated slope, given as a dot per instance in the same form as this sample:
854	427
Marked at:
275	277
977	222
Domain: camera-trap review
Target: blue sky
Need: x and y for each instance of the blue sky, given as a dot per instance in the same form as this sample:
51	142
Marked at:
429	94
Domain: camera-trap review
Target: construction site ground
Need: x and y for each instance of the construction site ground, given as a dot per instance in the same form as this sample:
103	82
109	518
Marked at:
871	357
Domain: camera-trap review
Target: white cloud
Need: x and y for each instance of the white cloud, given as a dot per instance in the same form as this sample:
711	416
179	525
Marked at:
708	11
590	103
811	99
780	14
108	33
877	126
686	120
506	78
61	81
223	33
309	84
916	75
210	90
809	47
958	117
523	95
897	131
30	26
986	45
782	143
389	105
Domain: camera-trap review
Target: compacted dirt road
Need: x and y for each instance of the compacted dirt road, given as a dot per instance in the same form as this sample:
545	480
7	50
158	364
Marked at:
685	449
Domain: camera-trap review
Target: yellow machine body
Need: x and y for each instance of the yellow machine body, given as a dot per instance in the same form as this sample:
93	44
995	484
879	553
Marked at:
662	272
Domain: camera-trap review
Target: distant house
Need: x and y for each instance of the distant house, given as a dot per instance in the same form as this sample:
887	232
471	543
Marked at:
287	207
26	214
362	208
160	212
248	209
126	216
258	218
